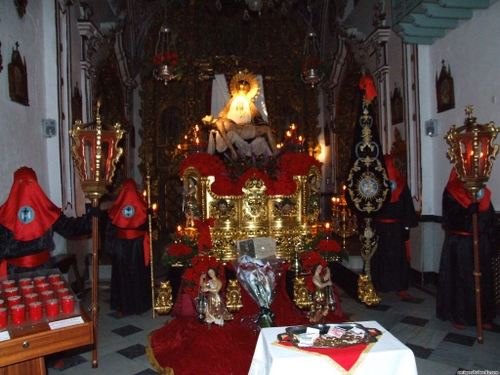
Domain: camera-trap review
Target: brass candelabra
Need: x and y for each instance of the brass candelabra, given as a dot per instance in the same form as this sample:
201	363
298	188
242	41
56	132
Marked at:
344	222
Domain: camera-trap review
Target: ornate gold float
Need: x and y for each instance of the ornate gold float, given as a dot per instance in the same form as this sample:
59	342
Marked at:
288	218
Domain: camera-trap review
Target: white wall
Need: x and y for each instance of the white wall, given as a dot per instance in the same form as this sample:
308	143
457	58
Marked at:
472	51
21	140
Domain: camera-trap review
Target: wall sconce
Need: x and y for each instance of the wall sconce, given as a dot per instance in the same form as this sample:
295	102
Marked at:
431	127
49	128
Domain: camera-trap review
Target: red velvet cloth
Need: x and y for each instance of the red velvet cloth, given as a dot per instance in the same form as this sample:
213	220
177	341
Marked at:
346	357
189	347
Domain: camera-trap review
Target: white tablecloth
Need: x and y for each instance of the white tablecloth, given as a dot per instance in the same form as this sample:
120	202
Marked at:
387	356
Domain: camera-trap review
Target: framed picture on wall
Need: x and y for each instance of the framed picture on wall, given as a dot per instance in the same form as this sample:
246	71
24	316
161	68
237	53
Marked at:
18	78
396	106
445	92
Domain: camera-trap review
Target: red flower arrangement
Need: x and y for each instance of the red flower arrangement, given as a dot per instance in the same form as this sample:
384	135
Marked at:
200	264
229	180
297	164
179	253
179	250
329	246
206	164
310	259
166	58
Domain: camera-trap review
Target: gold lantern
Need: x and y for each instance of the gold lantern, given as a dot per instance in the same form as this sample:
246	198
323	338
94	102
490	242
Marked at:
472	151
95	152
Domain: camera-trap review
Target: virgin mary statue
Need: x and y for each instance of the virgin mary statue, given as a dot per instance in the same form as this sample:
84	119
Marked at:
244	106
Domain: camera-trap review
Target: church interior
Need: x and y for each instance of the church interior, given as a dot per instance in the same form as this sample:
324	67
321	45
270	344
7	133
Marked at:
253	120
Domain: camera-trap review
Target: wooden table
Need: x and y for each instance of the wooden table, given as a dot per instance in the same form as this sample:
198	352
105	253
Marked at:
24	353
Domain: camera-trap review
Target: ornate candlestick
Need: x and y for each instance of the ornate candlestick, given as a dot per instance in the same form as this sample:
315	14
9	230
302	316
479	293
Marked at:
344	222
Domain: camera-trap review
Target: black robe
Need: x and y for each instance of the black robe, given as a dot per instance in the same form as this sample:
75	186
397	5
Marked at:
130	278
65	226
456	296
390	267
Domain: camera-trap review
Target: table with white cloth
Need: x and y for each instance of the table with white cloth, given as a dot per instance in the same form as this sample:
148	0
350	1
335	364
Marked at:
387	356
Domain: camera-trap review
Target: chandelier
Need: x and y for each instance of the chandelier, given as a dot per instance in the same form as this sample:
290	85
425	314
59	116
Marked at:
258	5
312	67
166	57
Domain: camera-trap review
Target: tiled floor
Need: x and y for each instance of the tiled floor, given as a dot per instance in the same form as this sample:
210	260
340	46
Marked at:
439	348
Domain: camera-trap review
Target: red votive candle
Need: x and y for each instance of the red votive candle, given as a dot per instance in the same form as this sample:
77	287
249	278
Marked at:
3	317
52	307
24	281
56	285
12	301
32	297
9	292
42	287
6	284
39	280
2	303
45	296
68	304
18	314
27	289
62	292
53	278
35	310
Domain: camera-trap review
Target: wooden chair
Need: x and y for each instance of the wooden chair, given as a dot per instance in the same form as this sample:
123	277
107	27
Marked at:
63	262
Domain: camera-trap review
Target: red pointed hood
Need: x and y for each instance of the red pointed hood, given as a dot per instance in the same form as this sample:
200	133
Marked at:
397	179
456	188
129	210
28	212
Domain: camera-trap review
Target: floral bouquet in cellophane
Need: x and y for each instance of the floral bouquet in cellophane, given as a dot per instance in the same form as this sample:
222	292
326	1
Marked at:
259	278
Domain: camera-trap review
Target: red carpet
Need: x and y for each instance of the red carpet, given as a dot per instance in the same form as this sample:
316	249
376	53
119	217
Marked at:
186	347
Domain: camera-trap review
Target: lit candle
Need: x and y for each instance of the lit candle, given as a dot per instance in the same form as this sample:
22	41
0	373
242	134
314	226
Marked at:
154	207
327	230
144	194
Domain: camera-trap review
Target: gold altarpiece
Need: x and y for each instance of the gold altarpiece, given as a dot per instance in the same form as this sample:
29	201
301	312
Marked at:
210	42
254	213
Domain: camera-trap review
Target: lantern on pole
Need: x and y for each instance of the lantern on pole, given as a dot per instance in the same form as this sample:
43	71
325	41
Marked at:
95	152
472	151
